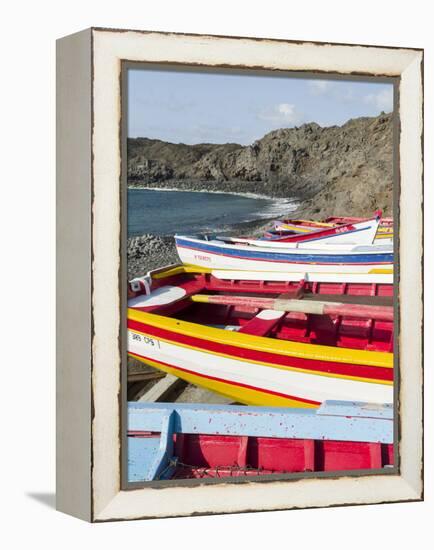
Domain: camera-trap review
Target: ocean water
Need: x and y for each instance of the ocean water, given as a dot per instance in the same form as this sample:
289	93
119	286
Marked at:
168	212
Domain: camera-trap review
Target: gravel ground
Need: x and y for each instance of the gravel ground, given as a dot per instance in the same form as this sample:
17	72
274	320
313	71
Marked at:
149	251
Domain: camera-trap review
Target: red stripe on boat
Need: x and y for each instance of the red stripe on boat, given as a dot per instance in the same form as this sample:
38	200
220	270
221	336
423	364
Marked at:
348	369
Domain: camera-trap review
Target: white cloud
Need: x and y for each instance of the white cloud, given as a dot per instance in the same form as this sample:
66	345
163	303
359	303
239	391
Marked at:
382	100
282	114
320	87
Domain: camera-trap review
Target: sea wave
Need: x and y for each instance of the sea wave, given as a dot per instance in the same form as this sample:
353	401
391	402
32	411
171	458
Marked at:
212	191
278	207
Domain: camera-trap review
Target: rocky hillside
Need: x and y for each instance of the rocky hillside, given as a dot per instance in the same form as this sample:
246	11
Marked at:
339	169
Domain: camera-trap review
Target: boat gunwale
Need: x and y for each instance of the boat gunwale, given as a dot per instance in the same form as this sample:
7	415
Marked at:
380	359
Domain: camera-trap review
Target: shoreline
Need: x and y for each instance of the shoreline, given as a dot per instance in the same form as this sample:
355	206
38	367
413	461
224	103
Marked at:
251	189
295	201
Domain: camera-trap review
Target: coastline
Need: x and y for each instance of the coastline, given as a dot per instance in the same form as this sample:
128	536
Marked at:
150	251
252	189
248	195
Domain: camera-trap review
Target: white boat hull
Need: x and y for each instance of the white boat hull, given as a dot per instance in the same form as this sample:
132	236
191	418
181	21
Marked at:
230	371
211	260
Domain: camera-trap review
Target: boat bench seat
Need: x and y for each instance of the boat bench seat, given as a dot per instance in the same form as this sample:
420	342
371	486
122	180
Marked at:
263	322
165	296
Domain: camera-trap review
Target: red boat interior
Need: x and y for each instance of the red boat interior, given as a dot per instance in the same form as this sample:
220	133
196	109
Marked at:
213	456
342	331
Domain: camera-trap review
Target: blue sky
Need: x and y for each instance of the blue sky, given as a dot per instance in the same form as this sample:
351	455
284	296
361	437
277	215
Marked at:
195	107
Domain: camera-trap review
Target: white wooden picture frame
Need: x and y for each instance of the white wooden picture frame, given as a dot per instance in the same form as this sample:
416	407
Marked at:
90	273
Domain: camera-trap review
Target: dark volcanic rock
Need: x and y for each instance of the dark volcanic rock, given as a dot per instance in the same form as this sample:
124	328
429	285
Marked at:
339	169
149	252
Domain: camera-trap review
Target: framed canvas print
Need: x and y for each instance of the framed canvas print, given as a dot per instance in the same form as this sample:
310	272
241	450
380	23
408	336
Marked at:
239	269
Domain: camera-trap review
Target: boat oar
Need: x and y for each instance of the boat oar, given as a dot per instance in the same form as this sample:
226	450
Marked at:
379	313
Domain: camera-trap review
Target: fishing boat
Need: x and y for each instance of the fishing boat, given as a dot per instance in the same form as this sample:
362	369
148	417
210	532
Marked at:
362	233
264	340
282	257
289	227
304	226
193	441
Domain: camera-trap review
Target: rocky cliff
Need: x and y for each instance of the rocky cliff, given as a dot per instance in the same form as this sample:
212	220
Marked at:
333	170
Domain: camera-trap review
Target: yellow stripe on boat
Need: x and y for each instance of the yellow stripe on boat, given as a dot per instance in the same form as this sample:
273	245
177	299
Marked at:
297	228
379	271
259	343
319	224
382	235
177	270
